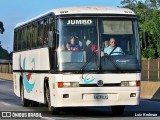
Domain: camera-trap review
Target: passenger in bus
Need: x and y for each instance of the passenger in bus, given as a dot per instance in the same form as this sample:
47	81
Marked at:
106	43
113	48
72	46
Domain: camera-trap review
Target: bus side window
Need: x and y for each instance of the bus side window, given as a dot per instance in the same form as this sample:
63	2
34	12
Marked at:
15	40
52	27
19	40
32	32
51	24
46	29
40	33
28	37
34	36
25	38
22	38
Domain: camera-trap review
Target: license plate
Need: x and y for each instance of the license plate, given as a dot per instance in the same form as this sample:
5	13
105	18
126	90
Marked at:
100	96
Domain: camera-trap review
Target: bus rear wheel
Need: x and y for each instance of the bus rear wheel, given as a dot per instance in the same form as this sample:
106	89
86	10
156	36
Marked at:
51	109
117	110
25	102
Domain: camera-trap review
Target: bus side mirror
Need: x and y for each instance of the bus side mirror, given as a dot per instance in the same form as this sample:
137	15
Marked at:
51	39
144	40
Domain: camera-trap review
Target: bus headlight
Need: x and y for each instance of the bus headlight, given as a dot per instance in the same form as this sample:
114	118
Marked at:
130	83
124	84
68	84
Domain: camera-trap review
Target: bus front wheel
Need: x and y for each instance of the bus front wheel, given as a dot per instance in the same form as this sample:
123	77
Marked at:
25	102
117	110
51	109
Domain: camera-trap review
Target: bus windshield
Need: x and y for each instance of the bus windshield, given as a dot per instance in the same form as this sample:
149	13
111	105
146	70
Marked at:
78	40
77	44
120	49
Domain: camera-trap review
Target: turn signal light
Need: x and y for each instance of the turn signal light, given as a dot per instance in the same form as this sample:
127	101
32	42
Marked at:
60	84
137	83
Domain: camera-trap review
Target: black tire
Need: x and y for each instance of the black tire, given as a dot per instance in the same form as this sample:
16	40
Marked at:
51	109
117	110
25	102
34	104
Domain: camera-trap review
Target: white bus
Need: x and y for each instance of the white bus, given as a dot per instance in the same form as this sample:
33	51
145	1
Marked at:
64	58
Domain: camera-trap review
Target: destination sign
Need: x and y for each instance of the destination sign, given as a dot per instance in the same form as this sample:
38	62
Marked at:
79	22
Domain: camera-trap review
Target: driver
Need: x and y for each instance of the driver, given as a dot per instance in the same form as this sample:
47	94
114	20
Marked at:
112	48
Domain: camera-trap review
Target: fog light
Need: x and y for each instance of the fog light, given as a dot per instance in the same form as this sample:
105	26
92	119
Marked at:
65	95
133	95
124	84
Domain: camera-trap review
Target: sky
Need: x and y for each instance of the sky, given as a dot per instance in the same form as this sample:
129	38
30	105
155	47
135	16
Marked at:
15	11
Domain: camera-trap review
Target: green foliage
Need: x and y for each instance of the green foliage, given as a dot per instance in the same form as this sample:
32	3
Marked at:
151	53
145	53
148	14
4	54
1	27
129	3
158	51
153	4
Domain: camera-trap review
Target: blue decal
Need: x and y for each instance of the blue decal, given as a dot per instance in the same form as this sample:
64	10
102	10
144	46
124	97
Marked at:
26	77
87	79
28	86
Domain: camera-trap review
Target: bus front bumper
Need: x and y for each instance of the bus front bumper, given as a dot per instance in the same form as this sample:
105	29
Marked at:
96	96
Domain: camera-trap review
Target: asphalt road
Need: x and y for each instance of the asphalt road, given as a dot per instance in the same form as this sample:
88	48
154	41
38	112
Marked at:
11	103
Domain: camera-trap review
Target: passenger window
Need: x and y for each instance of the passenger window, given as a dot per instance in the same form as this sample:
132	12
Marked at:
19	39
40	34
25	38
46	29
15	40
35	30
29	36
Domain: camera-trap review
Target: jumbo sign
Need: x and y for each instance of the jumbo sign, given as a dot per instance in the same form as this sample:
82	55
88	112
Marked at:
79	22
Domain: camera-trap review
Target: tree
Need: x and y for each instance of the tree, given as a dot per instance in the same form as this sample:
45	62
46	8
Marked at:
148	14
129	3
1	27
153	4
4	54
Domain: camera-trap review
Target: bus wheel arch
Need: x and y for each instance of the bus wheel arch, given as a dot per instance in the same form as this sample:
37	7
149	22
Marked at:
25	102
45	84
20	83
47	98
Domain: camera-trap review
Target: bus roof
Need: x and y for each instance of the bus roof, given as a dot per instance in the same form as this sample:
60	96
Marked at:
92	10
83	10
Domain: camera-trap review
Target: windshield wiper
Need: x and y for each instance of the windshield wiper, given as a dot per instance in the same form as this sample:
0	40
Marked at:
83	67
107	56
112	61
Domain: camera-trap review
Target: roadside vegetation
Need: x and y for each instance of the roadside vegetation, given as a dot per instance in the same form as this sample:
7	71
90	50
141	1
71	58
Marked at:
148	13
